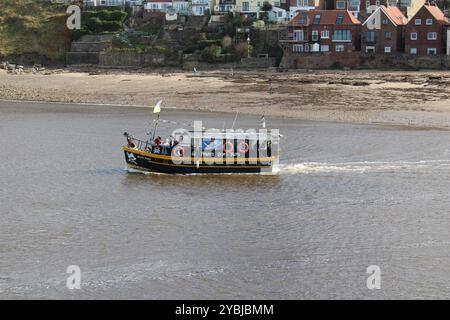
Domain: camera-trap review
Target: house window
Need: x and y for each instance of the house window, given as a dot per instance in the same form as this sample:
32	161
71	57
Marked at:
297	48
315	35
388	35
387	49
245	6
324	48
340	4
413	51
316	19
339	48
302	19
370	36
418	22
429	22
385	21
413	35
302	3
342	35
431	35
370	49
306	47
367	4
339	19
325	34
298	35
431	51
377	3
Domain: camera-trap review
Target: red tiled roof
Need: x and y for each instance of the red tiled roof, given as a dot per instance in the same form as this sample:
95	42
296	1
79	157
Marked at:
395	15
327	17
437	14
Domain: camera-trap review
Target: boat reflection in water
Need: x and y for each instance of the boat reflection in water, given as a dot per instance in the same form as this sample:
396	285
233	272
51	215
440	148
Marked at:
202	151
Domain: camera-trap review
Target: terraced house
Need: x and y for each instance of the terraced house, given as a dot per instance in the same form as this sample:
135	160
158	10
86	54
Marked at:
426	32
383	31
324	31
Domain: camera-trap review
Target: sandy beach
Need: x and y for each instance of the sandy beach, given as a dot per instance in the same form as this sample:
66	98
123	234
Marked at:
415	98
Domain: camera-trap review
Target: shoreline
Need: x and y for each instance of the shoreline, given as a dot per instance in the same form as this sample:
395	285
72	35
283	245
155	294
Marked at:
416	99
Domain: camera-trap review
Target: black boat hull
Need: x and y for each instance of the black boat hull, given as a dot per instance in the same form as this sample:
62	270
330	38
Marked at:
145	161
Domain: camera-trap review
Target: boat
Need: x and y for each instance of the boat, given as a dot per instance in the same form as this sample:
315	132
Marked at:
204	151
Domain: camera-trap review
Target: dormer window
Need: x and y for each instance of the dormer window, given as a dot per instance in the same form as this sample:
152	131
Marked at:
340	5
418	22
316	19
302	19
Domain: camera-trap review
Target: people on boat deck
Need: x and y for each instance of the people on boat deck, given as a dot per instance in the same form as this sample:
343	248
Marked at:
130	142
158	141
166	143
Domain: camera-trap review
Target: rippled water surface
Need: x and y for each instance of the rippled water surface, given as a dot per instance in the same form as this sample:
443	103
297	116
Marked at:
347	196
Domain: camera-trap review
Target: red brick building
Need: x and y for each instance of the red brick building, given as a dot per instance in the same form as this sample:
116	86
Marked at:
426	32
324	31
383	31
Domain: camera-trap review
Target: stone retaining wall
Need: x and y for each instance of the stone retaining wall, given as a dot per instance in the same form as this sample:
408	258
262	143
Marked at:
355	60
131	59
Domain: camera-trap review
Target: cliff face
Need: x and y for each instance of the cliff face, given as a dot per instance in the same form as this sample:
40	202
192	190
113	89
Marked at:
33	31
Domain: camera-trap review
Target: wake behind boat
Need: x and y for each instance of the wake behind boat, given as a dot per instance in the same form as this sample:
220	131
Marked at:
204	151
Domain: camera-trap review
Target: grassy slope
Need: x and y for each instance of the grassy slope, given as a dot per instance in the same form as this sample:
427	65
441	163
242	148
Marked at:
33	27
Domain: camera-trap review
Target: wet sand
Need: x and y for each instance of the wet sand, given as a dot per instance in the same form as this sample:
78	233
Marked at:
416	98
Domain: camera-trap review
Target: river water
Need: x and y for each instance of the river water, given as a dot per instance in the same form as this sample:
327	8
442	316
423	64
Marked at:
346	197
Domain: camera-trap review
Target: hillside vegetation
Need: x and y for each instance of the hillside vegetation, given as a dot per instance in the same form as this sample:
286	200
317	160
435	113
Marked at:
33	29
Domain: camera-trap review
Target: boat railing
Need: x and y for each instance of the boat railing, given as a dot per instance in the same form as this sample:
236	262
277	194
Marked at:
148	146
139	144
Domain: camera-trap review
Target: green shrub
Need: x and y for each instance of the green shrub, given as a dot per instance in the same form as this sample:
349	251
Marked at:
211	53
111	26
119	16
77	34
104	15
105	20
94	25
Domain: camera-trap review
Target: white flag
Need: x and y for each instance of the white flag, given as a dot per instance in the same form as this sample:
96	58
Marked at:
157	108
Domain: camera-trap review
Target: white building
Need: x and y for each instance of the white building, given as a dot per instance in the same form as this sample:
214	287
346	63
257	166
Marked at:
200	7
104	3
301	5
111	3
278	15
181	7
224	6
158	5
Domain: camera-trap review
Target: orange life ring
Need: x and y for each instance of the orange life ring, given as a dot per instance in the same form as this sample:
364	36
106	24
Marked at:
228	147
178	151
243	147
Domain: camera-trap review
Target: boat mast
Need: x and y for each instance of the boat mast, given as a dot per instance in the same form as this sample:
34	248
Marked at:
156	109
